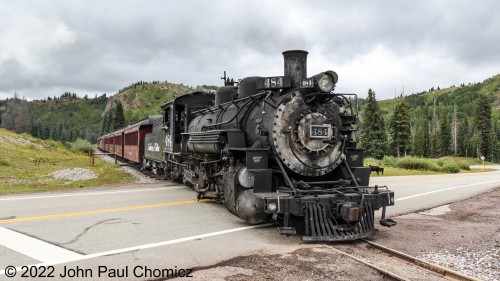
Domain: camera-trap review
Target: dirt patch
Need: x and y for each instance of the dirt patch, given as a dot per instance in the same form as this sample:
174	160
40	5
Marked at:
317	263
464	236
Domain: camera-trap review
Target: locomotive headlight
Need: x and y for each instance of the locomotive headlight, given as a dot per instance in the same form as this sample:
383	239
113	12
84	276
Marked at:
326	81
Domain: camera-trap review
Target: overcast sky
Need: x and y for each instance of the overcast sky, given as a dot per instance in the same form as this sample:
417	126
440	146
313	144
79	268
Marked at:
96	47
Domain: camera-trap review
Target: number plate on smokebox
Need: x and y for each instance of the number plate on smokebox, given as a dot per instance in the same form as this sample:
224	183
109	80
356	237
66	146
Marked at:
320	132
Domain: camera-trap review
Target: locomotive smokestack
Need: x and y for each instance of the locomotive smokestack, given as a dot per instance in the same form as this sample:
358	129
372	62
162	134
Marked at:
295	65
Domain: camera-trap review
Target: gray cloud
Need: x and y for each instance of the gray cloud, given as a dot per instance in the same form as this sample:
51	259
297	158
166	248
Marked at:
93	47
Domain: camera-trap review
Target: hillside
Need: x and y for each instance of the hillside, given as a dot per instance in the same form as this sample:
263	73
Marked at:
144	99
430	107
461	95
69	116
464	97
31	164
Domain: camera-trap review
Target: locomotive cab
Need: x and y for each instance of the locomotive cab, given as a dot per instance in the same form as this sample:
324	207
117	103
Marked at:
174	117
177	116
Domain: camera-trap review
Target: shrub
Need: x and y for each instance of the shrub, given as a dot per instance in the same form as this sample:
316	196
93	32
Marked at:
443	165
373	161
463	166
390	161
451	168
414	163
81	146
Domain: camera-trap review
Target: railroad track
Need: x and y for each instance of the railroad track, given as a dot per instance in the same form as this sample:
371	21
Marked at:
396	265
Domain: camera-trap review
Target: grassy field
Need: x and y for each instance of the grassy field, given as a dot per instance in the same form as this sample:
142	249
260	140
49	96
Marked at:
424	166
26	162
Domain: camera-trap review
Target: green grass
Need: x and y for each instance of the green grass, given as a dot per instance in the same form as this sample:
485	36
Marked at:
465	160
424	166
26	162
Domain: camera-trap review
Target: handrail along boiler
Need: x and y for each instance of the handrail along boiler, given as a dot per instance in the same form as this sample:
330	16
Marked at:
273	148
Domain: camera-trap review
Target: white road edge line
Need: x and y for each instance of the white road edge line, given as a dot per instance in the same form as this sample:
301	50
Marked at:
35	248
146	246
444	189
88	194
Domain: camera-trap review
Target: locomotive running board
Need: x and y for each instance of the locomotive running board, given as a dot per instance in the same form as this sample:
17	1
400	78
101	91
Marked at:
320	227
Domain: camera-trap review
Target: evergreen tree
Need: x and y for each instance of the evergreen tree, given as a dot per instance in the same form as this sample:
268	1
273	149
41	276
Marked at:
34	128
373	137
454	131
60	131
471	139
46	133
39	131
427	139
463	138
400	128
110	120
111	117
107	122
444	136
104	124
433	131
119	117
483	126
421	139
495	143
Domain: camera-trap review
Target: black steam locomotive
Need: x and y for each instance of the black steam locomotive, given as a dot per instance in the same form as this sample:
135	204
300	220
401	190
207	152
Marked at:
273	149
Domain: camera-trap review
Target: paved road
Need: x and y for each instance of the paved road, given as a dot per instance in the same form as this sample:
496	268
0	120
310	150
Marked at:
160	226
423	192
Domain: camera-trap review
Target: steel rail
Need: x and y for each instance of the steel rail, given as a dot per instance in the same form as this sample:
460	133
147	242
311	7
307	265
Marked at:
445	272
387	273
